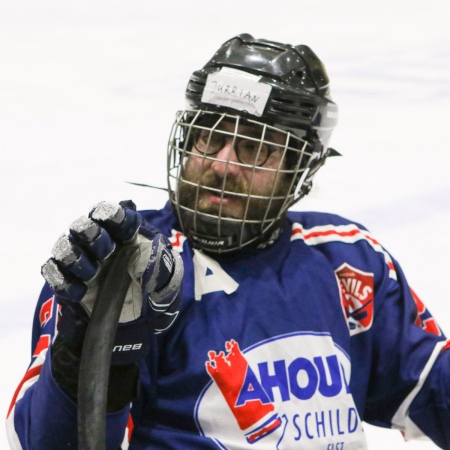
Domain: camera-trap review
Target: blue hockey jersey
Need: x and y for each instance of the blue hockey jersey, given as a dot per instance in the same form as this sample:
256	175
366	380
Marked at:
291	346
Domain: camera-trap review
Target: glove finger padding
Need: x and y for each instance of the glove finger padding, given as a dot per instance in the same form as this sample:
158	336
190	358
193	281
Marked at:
80	262
94	239
73	259
79	257
121	220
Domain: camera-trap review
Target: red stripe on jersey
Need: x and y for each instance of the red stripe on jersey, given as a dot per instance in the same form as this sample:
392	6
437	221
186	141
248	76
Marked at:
421	308
31	373
43	344
130	427
46	312
340	233
354	231
430	326
330	233
446	346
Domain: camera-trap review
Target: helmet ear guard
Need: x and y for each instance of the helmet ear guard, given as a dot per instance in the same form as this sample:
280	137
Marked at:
305	184
277	86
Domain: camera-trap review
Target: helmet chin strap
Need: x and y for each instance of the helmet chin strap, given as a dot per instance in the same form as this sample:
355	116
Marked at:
203	232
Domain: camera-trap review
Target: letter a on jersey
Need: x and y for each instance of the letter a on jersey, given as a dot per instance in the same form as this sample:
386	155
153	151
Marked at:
210	277
357	297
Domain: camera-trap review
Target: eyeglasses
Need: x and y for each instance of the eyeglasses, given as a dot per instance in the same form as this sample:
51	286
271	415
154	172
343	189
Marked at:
252	151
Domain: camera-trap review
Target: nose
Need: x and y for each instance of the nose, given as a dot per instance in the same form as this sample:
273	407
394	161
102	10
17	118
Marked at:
226	160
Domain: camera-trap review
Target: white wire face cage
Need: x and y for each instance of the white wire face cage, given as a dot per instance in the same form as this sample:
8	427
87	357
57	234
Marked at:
231	179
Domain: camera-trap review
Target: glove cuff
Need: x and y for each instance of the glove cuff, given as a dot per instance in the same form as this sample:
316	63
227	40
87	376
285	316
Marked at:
122	384
131	343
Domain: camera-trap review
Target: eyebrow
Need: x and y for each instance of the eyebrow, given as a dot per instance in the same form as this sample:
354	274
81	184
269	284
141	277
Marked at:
257	132
269	136
248	130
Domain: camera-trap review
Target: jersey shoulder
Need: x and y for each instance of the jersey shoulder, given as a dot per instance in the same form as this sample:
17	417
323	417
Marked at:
310	219
342	241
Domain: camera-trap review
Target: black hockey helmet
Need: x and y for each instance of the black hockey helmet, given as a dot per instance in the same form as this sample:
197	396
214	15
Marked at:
299	99
264	83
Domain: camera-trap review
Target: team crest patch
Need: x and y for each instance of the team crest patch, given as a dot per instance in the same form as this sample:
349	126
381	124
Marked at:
357	297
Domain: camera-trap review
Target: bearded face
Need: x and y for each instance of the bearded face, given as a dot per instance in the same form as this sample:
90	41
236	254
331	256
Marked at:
235	175
233	196
235	179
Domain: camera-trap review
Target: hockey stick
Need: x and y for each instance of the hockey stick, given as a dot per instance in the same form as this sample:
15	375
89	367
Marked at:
97	350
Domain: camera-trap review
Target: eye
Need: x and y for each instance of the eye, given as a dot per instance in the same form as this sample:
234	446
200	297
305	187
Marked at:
249	145
207	142
251	153
216	141
203	136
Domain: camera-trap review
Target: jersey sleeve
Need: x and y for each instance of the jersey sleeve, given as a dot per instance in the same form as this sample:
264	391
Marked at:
430	409
409	380
41	415
419	354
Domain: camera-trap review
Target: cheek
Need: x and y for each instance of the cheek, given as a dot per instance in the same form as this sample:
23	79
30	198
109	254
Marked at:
260	180
199	161
195	165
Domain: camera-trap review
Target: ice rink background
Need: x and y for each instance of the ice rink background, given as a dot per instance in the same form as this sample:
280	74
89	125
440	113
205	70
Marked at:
88	92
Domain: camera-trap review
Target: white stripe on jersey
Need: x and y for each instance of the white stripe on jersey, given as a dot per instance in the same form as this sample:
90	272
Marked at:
401	421
347	234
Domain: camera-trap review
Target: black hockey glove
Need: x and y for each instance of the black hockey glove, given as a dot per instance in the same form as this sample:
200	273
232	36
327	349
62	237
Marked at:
80	261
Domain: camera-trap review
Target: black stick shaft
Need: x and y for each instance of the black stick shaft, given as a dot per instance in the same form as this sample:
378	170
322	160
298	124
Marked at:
97	350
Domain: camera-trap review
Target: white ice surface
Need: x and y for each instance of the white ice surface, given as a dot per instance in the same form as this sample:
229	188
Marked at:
88	92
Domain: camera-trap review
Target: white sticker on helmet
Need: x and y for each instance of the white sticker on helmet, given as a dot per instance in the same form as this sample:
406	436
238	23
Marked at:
236	89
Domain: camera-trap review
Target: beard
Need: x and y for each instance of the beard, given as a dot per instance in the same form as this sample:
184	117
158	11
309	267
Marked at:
204	191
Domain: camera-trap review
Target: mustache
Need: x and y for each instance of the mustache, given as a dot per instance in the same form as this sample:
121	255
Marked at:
209	180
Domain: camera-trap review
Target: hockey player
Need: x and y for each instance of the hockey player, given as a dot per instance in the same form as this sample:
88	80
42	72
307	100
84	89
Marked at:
245	325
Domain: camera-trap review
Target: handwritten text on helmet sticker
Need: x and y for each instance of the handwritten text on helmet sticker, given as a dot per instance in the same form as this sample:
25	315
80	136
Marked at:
236	89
